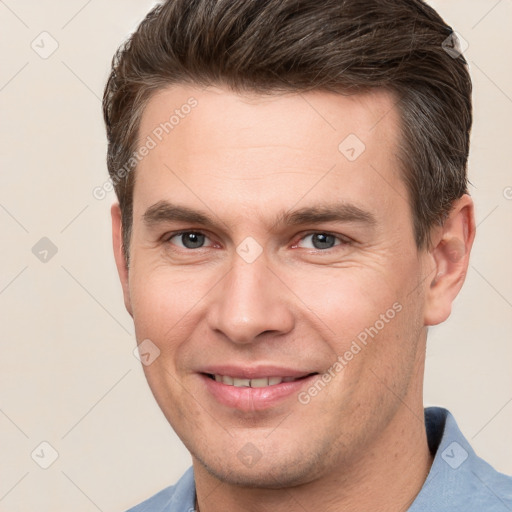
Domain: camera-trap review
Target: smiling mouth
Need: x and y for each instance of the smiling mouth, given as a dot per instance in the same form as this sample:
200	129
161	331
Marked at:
261	382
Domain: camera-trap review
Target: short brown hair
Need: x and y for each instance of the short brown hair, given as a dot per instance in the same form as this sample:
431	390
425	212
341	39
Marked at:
279	46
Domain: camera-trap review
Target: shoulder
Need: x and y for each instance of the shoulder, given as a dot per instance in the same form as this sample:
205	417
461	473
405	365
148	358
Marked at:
459	480
175	498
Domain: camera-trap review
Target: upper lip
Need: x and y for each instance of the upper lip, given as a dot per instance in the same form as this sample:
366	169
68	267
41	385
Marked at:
255	371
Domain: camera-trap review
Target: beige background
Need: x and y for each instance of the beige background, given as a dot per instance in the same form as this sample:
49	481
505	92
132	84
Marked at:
68	375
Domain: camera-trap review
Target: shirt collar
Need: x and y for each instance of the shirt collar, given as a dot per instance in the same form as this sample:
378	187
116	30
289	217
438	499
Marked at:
459	480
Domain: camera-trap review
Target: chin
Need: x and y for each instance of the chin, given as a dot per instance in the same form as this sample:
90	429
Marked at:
265	478
268	472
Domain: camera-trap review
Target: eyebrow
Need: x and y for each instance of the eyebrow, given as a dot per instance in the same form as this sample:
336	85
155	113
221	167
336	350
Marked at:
164	211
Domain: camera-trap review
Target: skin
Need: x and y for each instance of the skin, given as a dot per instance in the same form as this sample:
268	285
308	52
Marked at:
360	443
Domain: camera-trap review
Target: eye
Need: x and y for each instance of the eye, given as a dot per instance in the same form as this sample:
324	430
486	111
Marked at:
320	241
190	240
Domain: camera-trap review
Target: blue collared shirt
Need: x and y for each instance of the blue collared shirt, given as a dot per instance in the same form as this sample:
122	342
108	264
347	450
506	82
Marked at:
459	480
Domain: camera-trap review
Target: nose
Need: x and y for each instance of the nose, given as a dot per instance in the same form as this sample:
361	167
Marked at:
250	302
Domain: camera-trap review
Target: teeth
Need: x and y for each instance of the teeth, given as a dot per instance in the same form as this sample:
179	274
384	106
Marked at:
261	382
241	383
227	380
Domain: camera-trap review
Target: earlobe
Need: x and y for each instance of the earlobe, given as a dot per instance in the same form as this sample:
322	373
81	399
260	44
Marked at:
450	255
121	264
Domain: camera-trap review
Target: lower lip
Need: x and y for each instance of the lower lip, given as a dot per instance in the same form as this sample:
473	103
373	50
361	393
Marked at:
254	399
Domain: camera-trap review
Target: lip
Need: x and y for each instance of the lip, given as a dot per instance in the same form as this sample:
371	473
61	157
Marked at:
249	399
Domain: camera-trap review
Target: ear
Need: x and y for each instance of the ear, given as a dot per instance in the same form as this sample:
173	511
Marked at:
121	263
450	251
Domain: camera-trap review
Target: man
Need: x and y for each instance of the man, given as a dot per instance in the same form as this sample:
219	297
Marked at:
293	215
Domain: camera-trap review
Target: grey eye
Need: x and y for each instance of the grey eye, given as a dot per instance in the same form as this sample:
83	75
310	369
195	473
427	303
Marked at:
189	240
319	241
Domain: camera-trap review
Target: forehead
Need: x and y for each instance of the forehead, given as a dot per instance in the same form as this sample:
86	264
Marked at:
295	119
249	151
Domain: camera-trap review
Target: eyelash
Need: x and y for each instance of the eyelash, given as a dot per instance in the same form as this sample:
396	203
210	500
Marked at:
343	240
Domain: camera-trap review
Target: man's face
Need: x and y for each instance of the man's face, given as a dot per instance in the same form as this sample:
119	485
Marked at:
308	255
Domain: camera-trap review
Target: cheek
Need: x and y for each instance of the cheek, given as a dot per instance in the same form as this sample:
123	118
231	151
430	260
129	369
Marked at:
163	302
346	301
371	322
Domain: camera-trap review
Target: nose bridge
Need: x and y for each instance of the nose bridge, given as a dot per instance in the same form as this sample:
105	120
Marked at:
249	302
